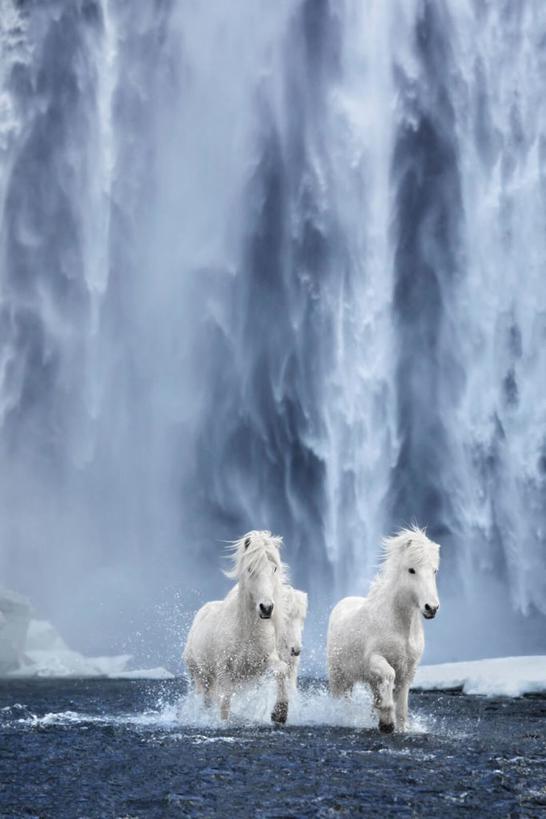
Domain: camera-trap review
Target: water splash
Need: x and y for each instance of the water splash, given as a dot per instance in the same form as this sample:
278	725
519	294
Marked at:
251	709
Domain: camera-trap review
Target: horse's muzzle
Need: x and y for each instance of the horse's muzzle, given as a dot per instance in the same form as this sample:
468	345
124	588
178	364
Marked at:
430	612
265	612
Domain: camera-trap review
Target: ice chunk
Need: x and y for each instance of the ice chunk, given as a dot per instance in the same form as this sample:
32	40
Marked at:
47	655
43	636
67	663
34	648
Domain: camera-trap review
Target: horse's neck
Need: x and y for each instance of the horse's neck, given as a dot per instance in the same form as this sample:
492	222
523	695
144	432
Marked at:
405	617
245	616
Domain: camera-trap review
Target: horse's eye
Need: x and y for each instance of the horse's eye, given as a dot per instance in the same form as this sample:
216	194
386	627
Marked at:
411	571
275	569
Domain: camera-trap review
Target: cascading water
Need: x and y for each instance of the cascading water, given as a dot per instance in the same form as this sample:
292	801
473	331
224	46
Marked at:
272	265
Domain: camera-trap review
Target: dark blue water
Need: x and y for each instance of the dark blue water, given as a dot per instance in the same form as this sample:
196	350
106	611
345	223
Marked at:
132	748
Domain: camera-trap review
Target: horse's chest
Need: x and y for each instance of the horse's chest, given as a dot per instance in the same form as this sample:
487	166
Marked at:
403	657
251	662
412	655
414	651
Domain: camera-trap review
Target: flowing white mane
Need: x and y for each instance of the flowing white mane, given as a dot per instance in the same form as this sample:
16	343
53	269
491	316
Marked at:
295	603
411	543
251	550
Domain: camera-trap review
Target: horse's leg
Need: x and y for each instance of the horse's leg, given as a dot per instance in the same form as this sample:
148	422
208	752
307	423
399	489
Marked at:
339	685
196	680
208	692
225	695
280	710
276	665
401	704
202	684
293	674
225	705
382	677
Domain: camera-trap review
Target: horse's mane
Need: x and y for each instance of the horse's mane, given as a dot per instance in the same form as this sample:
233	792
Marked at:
412	542
296	603
250	552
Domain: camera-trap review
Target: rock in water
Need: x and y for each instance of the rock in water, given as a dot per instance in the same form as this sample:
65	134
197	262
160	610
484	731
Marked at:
15	613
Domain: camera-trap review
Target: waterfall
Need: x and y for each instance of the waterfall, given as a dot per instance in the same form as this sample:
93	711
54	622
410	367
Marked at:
272	265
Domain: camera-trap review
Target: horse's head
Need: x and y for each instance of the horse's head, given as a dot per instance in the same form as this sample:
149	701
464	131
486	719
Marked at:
295	612
259	570
416	561
261	585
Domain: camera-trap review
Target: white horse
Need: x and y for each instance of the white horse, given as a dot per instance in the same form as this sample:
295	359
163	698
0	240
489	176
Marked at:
379	639
236	640
290	643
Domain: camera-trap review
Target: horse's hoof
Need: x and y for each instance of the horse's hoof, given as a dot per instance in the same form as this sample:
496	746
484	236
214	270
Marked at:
279	714
386	727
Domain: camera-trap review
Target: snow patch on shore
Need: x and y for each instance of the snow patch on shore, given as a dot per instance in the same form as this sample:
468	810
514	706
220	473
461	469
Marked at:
499	677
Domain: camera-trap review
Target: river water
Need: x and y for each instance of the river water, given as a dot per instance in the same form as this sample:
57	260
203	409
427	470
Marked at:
146	749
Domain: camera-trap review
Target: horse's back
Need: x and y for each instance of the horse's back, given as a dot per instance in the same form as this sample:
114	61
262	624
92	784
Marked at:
344	610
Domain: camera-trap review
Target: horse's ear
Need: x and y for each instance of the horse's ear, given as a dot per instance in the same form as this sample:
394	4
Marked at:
247	543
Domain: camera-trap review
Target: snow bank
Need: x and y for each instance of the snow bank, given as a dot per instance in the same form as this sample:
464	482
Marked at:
69	663
34	648
500	677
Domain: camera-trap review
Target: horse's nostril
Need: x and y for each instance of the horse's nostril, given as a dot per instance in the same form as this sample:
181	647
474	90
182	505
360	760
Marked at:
295	652
427	607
